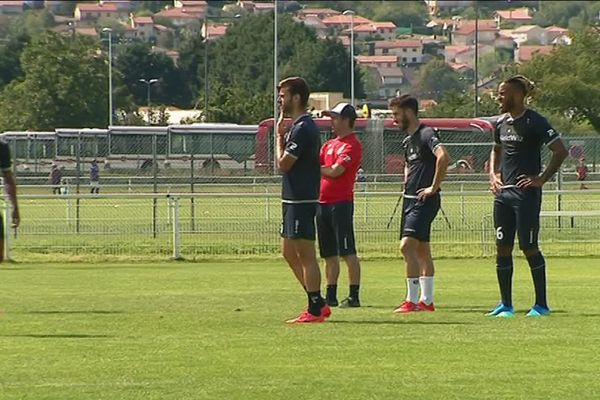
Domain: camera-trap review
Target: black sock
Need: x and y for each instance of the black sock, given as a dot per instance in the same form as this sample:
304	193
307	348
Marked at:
354	291
504	270
315	303
538	273
331	292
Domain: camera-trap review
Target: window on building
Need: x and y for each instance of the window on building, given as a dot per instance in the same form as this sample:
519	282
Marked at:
414	50
404	50
414	59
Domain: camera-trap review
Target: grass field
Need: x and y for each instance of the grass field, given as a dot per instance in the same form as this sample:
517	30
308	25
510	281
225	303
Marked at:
216	331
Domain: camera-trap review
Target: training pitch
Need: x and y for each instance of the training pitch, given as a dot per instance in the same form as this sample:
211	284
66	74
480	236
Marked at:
216	331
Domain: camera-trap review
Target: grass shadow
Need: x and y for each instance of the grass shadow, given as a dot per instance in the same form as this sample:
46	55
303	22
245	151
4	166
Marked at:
68	312
398	322
58	336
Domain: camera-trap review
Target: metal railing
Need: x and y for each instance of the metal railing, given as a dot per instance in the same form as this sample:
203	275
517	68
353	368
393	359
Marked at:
245	223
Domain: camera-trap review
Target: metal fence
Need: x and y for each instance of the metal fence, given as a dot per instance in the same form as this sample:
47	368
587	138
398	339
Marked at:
241	221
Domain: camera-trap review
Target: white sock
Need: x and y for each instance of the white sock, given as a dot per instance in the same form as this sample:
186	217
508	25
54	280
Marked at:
426	289
412	290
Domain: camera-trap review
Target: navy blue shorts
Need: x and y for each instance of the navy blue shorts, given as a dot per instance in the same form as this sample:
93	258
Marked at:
336	229
518	211
417	217
298	221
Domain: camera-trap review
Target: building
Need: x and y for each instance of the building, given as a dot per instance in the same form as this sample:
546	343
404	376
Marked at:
122	5
553	32
518	17
408	51
11	7
197	8
214	31
92	12
255	7
525	53
530	34
466	54
324	100
390	80
464	32
316	24
178	17
142	28
341	22
389	61
436	6
384	30
319	13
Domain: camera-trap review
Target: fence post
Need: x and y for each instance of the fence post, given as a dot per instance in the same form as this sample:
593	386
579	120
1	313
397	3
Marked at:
154	178
176	237
267	208
78	183
559	196
192	190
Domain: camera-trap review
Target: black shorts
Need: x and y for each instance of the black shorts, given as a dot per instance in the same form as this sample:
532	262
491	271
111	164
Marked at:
298	221
336	229
518	211
417	217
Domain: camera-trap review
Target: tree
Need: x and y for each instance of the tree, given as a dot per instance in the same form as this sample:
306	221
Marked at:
64	85
241	66
153	5
136	61
437	77
575	94
10	58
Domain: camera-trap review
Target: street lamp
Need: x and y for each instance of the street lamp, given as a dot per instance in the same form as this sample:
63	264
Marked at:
148	84
206	39
110	83
351	14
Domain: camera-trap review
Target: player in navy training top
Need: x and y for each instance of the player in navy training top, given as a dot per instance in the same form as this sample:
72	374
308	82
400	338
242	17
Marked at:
298	160
425	167
516	179
11	190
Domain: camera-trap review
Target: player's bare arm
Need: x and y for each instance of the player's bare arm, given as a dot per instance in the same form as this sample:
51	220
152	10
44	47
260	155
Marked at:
285	161
335	171
11	190
495	180
559	153
441	167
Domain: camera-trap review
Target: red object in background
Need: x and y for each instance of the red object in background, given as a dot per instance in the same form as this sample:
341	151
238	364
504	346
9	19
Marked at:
393	164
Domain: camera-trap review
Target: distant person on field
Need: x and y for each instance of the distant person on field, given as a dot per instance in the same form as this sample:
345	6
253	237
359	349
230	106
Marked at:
10	187
340	160
516	179
94	178
54	178
582	172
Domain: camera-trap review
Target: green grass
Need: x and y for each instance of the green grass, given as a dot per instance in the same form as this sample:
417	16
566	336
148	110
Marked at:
216	331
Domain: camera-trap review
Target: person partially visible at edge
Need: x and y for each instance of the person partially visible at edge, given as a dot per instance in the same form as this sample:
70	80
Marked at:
11	190
298	160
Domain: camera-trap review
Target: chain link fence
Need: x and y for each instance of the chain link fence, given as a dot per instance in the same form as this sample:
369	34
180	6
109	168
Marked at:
243	221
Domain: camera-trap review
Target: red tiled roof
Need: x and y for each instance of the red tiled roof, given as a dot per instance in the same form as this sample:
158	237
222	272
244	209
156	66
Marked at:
264	6
556	29
345	20
397	44
194	3
176	13
391	72
377	59
86	31
143	20
92	7
318	11
217	30
526	53
384	25
520	14
18	3
468	26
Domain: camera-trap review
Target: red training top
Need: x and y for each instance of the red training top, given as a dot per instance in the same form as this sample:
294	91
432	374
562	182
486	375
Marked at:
347	152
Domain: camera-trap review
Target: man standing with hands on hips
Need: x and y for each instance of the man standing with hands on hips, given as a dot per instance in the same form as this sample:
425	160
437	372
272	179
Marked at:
298	159
340	160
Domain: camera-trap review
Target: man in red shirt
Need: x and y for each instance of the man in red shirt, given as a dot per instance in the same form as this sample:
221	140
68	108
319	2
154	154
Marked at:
340	161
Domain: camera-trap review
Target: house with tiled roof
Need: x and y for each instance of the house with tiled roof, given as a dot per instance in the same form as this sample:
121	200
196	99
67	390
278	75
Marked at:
92	12
341	22
315	24
464	32
517	17
320	13
197	8
408	51
525	53
385	30
213	31
378	61
178	16
11	7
